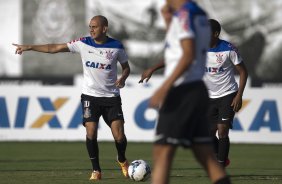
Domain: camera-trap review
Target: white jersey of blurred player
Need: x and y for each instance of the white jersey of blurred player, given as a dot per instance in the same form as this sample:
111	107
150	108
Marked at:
183	25
99	65
220	69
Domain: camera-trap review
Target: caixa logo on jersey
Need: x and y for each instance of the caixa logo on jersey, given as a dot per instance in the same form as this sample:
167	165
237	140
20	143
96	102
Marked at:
47	117
214	69
267	116
98	65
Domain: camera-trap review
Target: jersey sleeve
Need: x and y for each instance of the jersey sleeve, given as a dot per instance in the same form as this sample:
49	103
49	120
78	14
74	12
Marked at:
185	29
75	46
122	56
235	57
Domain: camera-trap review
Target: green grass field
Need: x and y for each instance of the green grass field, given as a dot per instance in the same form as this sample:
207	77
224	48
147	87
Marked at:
67	163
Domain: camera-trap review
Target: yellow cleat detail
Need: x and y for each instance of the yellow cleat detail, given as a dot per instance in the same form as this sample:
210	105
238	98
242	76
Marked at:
124	167
95	176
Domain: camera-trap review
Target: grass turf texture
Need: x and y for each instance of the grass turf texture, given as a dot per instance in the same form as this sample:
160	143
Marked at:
67	163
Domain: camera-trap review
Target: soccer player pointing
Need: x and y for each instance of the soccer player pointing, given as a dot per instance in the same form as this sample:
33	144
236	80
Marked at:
100	92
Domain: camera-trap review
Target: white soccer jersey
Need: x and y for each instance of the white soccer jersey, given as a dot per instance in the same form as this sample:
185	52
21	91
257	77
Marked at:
189	22
99	65
219	76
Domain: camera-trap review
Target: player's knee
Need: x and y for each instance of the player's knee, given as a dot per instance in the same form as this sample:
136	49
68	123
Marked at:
91	130
164	152
223	135
223	132
91	135
119	138
203	153
119	135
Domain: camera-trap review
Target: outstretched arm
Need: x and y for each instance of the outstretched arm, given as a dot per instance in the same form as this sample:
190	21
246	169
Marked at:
125	73
48	48
147	74
243	73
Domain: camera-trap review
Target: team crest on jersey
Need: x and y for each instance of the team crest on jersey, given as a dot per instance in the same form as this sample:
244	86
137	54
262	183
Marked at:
109	55
219	58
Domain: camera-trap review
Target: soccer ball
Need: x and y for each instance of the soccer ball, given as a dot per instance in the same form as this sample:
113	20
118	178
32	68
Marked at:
139	170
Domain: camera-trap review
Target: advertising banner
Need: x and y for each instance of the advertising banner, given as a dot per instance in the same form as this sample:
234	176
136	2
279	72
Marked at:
54	113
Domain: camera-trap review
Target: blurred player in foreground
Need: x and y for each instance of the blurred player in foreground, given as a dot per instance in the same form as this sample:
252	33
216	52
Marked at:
183	98
100	92
225	95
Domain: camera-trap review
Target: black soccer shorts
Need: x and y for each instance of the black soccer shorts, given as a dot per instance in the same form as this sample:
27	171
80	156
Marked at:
110	108
220	110
182	118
